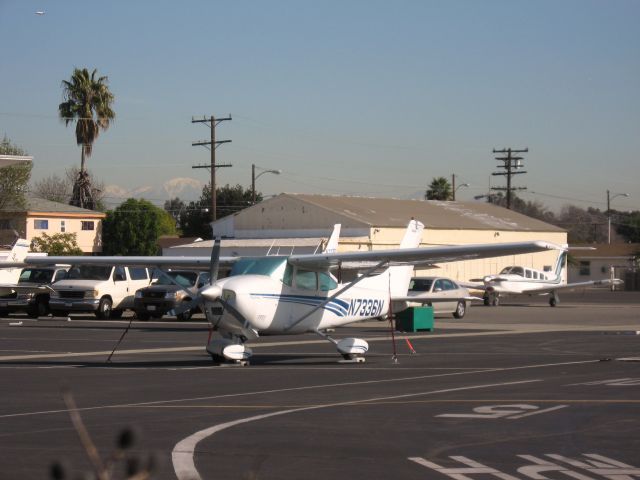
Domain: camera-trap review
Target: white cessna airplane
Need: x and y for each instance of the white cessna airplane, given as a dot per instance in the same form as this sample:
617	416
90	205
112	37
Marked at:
9	276
518	280
296	294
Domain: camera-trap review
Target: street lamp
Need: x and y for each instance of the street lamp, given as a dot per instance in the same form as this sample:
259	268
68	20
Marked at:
609	198
254	177
457	188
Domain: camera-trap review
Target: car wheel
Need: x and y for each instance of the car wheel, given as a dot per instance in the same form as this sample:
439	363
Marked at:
461	309
40	309
104	309
184	316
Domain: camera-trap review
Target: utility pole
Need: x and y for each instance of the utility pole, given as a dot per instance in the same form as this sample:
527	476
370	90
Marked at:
212	145
453	187
511	165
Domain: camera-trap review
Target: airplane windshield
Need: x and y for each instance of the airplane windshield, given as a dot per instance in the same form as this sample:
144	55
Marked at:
269	266
513	271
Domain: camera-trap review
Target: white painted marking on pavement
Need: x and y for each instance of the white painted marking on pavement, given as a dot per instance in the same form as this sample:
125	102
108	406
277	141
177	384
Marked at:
183	453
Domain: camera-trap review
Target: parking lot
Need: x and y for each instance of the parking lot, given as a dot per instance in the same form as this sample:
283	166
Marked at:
517	391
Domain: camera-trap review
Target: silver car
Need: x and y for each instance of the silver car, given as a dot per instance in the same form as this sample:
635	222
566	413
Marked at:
440	288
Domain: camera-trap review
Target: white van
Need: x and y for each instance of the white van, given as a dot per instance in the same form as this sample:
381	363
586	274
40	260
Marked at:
106	291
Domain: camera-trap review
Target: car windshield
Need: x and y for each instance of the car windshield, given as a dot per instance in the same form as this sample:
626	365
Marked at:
36	275
89	272
421	284
184	279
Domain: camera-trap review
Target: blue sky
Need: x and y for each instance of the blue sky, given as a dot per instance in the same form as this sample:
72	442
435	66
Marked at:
345	97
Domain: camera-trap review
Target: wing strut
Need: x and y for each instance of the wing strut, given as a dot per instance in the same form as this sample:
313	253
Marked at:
338	293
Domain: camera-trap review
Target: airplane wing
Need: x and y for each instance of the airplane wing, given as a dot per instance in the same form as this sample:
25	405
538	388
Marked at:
474	285
157	261
413	256
570	286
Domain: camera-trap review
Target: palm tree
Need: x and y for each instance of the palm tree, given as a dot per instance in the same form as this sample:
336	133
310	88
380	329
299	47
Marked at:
87	101
440	189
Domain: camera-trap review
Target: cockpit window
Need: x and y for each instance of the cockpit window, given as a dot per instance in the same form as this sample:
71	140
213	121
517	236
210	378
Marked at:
306	279
270	266
513	271
326	282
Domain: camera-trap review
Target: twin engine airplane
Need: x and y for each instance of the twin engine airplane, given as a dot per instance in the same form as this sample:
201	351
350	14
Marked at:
528	281
296	294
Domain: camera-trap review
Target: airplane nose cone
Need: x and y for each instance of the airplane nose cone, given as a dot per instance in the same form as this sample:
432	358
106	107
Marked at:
487	279
211	293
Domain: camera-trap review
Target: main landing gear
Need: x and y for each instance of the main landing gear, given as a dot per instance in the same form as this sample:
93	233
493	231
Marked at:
553	299
229	351
351	349
492	299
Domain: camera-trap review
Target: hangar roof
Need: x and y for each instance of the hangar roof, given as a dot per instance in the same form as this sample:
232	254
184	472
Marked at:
434	214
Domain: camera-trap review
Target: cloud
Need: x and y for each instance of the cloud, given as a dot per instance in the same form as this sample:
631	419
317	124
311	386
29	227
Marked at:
185	188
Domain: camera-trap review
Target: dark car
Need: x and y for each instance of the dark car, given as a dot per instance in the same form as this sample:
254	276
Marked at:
164	295
36	302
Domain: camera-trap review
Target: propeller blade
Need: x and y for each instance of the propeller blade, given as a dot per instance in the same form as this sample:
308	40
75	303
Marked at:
215	261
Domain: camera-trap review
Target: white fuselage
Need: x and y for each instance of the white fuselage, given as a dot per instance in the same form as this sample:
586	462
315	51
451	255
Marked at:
271	307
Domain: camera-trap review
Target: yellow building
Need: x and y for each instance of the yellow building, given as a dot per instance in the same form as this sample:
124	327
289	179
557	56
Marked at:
43	216
378	223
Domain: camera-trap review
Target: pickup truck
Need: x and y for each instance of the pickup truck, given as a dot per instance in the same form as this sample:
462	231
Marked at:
104	290
35	302
164	295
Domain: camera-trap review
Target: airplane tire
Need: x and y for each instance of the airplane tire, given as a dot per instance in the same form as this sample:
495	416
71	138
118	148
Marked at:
461	309
553	302
495	301
486	301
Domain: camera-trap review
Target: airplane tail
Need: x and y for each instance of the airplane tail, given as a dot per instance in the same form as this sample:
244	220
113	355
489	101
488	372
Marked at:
561	265
332	244
400	276
17	254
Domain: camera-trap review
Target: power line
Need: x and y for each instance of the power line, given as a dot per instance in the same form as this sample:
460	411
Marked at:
212	145
510	164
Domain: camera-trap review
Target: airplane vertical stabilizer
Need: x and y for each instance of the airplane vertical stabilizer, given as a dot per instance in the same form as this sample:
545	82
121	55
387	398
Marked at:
332	244
17	254
400	276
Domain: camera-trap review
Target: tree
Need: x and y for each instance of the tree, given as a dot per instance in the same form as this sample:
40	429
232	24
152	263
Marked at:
87	102
53	188
13	179
174	207
134	228
196	217
629	226
56	244
439	189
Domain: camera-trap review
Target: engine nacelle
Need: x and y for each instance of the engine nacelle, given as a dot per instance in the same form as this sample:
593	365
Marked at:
226	348
352	346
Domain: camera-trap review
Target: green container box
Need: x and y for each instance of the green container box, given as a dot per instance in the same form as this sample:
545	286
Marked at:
415	319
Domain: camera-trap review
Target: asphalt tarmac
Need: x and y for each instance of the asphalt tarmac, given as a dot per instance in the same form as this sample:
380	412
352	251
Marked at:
513	392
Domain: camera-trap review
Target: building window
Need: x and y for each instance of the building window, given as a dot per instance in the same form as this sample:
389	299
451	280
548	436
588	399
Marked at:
41	224
63	227
86	225
5	224
585	268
